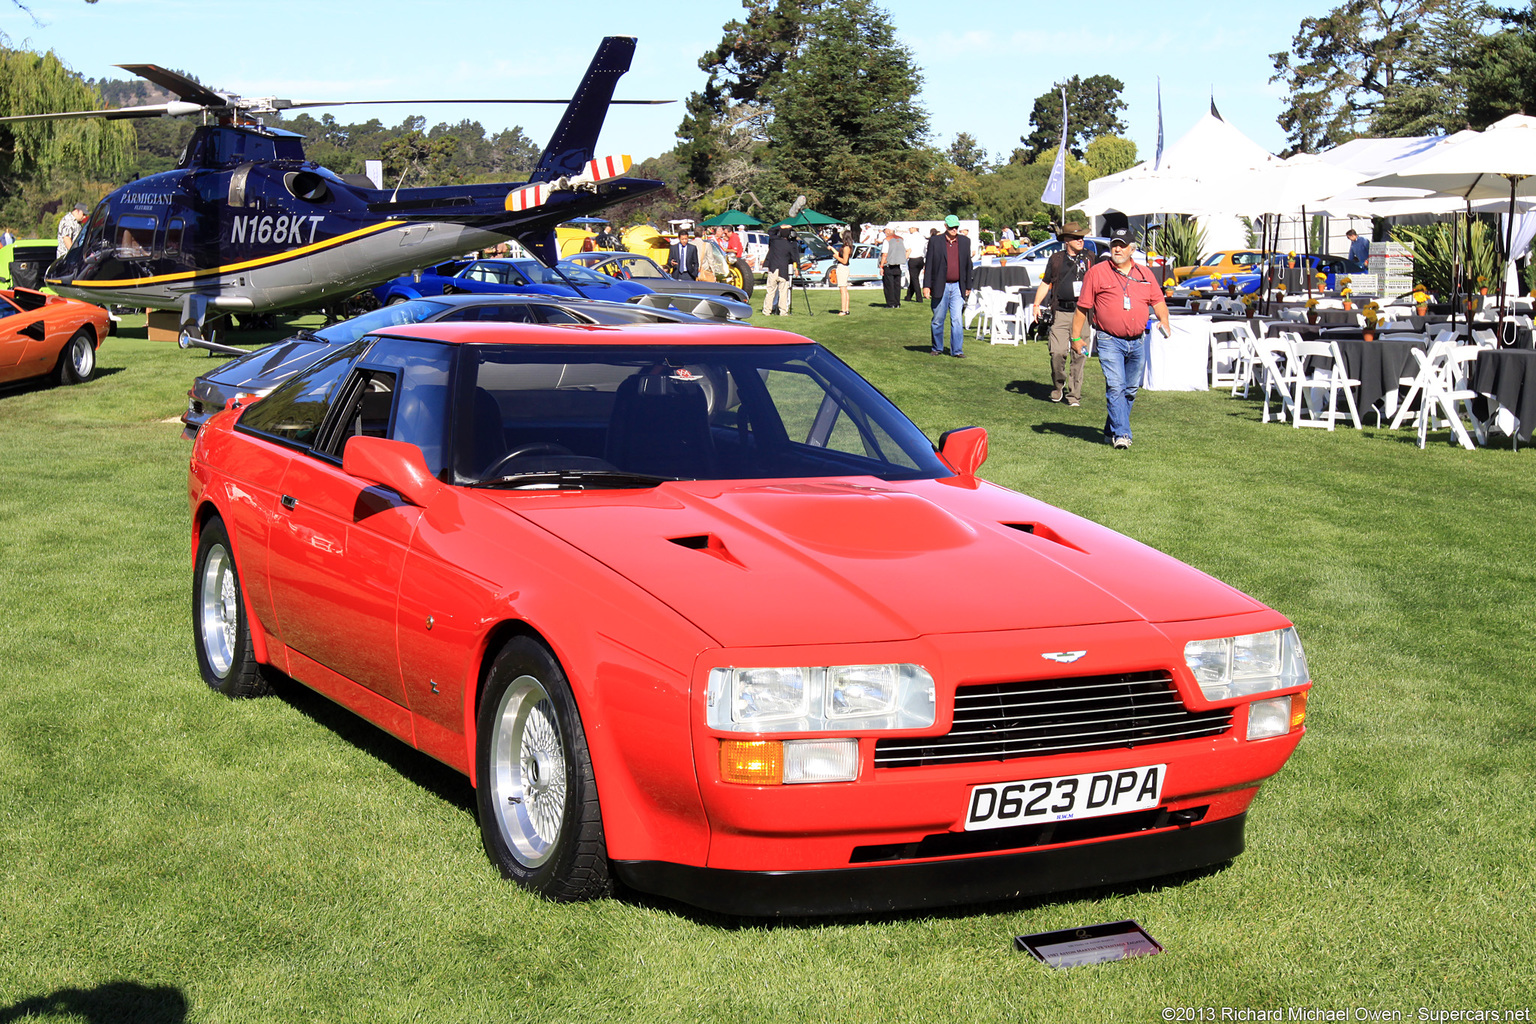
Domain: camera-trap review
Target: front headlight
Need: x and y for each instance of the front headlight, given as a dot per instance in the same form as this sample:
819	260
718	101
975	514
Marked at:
1238	666
820	698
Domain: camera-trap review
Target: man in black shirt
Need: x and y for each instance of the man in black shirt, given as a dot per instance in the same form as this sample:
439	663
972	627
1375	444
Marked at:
1063	281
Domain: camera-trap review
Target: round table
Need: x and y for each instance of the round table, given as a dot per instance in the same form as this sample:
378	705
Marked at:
1000	277
1509	375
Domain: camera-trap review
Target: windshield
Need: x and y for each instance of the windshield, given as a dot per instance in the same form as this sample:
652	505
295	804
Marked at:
401	313
627	416
538	273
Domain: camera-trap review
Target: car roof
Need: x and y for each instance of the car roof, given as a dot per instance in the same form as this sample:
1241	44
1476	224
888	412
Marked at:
485	333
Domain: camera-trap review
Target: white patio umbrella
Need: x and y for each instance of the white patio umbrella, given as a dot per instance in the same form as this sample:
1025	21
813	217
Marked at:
1151	193
1497	163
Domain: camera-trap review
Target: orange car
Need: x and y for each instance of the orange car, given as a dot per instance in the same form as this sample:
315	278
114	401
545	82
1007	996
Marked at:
1227	261
43	335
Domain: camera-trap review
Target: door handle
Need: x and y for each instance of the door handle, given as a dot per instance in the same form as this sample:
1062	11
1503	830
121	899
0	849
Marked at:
289	502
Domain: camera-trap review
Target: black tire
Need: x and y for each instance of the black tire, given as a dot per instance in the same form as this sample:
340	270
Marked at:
77	360
741	276
220	631
535	789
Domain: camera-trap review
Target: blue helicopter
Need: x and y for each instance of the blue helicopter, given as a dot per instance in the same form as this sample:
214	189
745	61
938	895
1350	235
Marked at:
246	224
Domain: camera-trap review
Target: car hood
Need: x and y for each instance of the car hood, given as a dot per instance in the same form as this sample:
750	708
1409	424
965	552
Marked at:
837	561
265	368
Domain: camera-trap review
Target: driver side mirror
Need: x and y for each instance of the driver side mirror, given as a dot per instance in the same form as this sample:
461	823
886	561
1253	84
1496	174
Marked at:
964	449
393	464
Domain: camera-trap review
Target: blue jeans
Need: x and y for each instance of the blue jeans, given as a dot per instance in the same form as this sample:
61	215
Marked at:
1121	362
951	302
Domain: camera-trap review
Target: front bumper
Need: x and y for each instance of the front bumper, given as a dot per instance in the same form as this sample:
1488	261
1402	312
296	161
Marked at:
931	884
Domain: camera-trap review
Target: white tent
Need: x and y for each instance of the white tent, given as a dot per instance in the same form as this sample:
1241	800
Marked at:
1211	151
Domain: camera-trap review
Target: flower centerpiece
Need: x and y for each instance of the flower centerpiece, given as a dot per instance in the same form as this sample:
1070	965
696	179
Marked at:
1290	259
1372	313
1420	300
1250	301
1311	311
1482	284
1345	291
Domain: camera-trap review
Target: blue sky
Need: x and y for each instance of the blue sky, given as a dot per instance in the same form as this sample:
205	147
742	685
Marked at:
983	64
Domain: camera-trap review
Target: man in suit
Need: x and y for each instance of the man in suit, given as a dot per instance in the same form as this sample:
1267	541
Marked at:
947	284
683	259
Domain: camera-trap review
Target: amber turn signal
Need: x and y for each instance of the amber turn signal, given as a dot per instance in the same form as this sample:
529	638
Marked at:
1298	710
752	762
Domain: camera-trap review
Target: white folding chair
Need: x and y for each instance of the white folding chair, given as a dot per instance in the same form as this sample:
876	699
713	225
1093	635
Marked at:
1333	380
1445	385
1003	327
1433	358
1282	375
1228	343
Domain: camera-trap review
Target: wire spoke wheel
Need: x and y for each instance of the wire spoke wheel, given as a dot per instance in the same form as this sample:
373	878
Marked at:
219	610
528	780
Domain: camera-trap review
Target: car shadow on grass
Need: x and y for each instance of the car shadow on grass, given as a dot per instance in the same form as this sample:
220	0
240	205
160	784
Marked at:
450	786
112	1003
30	385
734	922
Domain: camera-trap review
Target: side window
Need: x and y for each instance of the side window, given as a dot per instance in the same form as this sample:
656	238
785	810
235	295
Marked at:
6	309
294	411
173	233
815	416
556	315
501	312
515	276
400	392
135	236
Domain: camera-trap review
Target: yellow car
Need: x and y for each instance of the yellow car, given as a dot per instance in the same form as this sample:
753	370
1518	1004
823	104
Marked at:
1226	261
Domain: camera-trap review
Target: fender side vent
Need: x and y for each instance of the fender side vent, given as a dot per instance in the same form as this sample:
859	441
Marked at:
1044	533
710	545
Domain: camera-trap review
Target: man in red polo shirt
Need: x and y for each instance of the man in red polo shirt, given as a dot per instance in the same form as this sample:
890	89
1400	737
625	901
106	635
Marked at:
1122	295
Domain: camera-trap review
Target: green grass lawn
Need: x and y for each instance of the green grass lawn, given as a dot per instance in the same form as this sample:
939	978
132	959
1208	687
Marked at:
168	855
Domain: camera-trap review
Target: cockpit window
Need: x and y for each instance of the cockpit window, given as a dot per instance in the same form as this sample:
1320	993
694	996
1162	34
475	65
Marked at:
135	236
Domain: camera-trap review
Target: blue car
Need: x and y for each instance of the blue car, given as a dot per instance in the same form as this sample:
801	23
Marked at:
1248	284
493	276
864	264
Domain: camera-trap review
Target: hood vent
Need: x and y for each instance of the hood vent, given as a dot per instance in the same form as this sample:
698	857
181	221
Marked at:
710	545
1044	533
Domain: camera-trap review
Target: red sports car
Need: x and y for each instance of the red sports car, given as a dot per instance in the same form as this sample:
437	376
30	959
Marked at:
699	609
47	334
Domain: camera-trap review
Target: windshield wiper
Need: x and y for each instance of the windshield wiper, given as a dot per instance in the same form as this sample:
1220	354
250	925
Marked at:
307	334
575	479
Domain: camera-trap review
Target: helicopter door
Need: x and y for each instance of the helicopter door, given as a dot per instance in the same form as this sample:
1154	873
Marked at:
134	236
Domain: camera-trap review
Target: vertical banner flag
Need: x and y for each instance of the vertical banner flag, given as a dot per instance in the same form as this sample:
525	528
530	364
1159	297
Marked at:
1157	164
1055	193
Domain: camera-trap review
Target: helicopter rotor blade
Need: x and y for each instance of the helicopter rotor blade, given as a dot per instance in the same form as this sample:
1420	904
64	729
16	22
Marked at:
181	85
295	105
175	108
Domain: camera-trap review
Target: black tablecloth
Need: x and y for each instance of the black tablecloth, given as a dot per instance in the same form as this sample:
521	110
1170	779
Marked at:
1000	277
1510	376
1378	366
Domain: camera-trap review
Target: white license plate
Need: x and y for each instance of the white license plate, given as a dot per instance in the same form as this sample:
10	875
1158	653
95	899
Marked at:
1033	801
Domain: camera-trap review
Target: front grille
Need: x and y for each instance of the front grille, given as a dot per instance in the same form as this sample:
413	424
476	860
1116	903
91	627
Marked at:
999	721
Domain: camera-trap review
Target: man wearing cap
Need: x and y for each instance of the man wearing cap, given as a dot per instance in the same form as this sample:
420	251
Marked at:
1063	281
1122	296
69	228
892	255
947	284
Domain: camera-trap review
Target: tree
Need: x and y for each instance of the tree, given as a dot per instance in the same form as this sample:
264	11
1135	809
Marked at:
967	154
1503	79
1109	154
1010	194
1094	105
1379	67
46	165
846	130
727	120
